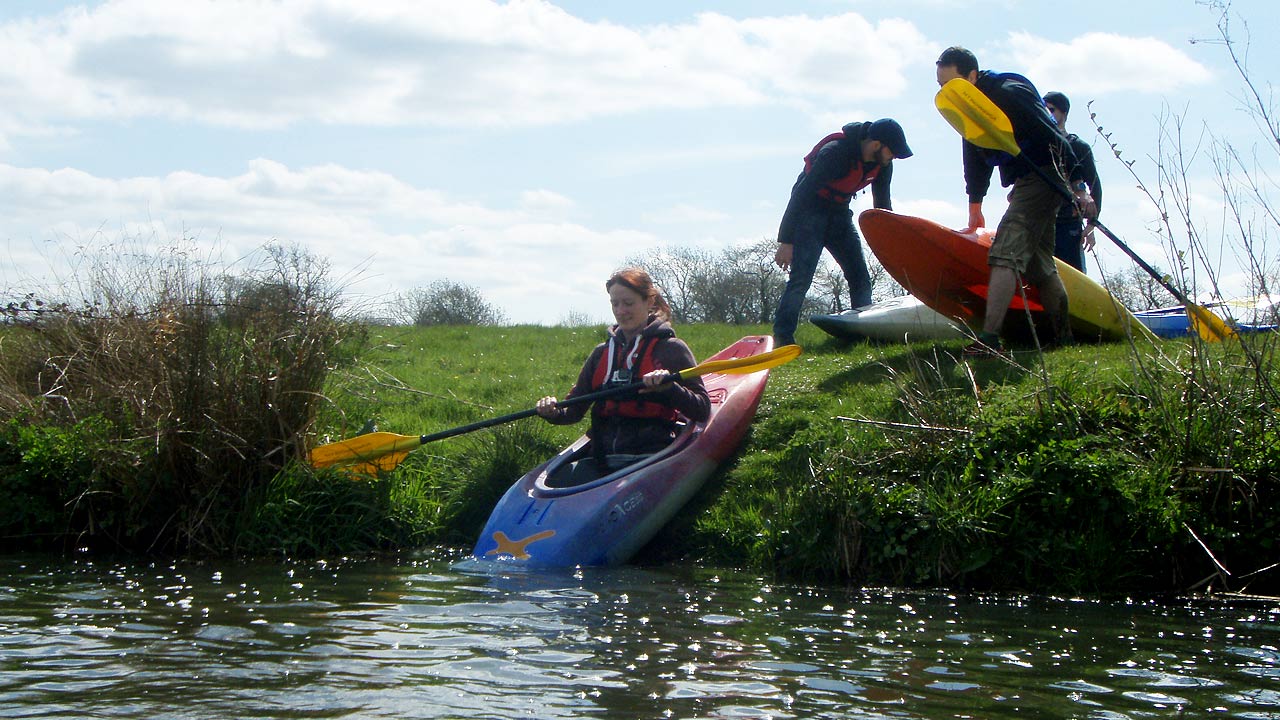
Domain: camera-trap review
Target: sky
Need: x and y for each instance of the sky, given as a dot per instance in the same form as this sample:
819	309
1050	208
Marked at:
528	148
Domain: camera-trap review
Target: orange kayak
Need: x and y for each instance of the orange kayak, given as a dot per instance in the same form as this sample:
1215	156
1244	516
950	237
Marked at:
947	270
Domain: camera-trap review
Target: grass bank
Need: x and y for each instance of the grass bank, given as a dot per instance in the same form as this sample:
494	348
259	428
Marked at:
1092	469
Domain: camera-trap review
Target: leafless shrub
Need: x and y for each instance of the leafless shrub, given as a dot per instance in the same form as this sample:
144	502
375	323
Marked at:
446	303
740	285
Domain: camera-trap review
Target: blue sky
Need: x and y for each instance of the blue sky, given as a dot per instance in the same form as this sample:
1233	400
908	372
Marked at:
528	148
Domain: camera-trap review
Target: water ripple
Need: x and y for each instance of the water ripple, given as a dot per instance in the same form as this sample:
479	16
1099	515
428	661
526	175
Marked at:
421	638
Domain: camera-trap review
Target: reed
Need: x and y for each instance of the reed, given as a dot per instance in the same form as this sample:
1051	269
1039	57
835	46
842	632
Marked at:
200	387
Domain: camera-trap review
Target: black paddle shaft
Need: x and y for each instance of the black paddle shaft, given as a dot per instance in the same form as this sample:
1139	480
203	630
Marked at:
589	397
1053	183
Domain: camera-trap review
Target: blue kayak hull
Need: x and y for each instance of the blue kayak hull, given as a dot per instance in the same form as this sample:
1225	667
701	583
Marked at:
1172	322
1166	322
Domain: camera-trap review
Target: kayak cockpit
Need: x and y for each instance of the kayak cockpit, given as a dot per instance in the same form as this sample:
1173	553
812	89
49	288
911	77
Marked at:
559	478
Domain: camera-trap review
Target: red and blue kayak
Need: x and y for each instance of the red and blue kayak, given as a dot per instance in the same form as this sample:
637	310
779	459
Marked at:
605	521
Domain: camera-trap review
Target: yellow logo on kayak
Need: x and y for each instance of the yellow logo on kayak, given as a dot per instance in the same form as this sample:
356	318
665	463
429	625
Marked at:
517	548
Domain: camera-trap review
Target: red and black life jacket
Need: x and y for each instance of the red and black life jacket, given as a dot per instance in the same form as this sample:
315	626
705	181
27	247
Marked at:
842	189
619	366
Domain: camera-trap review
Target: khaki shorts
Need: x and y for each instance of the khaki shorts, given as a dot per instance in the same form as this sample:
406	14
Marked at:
1025	237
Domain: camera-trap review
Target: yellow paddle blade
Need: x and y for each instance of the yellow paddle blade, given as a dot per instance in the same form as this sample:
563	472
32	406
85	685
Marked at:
1208	325
745	365
372	448
975	117
385	463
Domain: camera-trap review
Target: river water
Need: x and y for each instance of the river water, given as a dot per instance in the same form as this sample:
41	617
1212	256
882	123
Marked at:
433	636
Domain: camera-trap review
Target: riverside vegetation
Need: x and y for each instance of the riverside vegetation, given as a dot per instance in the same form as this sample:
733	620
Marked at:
1096	468
1109	468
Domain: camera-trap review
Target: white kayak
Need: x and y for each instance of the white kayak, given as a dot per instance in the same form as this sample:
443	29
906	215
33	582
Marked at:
897	319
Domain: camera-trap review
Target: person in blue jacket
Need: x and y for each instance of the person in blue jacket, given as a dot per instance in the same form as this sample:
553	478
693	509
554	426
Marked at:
818	214
1073	236
1024	240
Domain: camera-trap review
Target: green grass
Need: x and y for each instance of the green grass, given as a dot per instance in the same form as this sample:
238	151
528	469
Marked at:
890	464
1094	469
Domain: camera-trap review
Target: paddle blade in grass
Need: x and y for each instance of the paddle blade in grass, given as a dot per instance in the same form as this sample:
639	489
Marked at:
372	449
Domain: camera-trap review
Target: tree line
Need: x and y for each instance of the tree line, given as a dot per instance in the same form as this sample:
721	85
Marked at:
738	285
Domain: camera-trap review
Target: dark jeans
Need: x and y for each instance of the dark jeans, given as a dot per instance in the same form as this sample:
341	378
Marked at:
1066	246
817	229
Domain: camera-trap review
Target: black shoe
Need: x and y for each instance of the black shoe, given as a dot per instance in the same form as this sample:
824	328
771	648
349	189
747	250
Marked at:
986	346
779	341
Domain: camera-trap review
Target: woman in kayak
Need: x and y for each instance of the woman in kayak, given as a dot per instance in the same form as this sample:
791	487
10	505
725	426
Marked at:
641	346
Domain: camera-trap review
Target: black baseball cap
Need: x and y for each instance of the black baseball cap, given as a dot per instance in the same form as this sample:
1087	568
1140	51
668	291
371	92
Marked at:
1058	100
890	133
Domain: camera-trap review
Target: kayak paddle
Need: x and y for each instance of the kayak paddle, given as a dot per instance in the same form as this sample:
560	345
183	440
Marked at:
384	451
982	123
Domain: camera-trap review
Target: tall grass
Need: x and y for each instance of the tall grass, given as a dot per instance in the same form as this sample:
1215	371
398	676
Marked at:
186	390
911	466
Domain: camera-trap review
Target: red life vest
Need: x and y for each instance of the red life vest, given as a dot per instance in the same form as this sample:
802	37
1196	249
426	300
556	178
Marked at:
638	361
842	189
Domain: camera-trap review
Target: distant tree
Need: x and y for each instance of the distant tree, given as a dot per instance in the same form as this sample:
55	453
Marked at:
743	286
725	295
1137	290
740	285
677	270
576	319
830	289
883	286
446	303
766	281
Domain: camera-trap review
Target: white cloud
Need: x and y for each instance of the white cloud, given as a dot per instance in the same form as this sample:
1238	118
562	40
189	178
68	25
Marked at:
394	235
438	62
545	203
1100	63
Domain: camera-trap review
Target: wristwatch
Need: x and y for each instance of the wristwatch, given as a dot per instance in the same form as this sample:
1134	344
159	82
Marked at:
1081	187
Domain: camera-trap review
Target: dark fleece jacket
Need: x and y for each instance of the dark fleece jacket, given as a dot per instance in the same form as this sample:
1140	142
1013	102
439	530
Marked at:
834	161
1038	136
617	435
